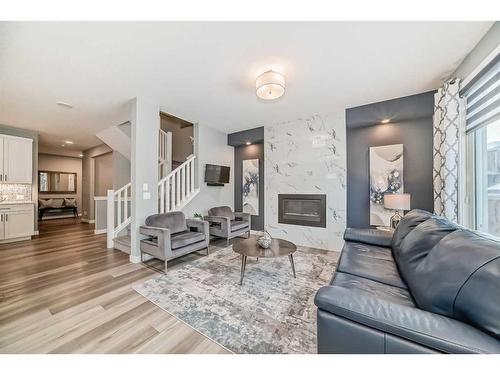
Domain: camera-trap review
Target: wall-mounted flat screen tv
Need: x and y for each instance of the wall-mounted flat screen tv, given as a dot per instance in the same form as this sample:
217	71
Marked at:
216	175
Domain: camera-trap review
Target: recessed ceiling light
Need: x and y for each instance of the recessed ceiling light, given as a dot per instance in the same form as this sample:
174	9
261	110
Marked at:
248	143
63	145
64	104
385	121
81	155
68	142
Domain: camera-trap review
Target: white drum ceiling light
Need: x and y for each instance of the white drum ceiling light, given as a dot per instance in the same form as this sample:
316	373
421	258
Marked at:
270	85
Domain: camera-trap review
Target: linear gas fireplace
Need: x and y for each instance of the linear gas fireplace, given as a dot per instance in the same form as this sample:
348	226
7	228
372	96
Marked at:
302	209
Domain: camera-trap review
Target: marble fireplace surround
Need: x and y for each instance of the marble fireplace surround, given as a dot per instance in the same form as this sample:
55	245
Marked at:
307	156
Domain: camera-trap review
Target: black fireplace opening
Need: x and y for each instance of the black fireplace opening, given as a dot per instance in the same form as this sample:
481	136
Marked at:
302	209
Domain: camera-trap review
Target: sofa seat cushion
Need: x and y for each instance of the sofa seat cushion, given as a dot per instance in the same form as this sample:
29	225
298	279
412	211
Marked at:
387	292
186	238
238	224
410	323
371	262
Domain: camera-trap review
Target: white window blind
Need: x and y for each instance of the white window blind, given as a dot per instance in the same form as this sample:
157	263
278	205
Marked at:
483	97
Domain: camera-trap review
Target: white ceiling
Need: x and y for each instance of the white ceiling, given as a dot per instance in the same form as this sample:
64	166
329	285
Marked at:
205	71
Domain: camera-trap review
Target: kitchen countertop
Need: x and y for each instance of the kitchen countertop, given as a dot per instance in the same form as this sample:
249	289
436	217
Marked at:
16	202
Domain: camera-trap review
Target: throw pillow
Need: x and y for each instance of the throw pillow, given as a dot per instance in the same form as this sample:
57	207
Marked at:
45	203
69	202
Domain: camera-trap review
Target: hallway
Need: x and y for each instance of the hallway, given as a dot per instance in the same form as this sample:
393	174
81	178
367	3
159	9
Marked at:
64	292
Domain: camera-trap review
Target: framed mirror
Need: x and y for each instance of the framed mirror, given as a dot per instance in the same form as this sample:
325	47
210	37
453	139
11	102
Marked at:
56	182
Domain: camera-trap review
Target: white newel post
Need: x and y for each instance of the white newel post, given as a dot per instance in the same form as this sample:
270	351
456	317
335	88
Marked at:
110	219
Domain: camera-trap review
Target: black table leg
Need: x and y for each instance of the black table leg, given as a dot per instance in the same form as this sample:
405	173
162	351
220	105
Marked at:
293	265
243	266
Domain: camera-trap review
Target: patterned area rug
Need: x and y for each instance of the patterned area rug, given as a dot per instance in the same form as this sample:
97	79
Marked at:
271	313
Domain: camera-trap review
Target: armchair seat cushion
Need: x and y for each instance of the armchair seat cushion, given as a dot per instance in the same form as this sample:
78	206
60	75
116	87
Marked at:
238	224
186	238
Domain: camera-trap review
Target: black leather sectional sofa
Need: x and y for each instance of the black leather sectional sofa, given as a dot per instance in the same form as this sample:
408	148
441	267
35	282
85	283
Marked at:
431	287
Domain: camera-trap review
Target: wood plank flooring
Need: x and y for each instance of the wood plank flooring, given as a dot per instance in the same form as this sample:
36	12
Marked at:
64	292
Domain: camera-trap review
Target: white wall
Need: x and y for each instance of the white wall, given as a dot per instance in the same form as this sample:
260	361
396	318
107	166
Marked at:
212	148
485	46
307	156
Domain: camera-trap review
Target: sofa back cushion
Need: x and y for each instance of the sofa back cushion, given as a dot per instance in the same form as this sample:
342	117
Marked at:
406	225
223	211
175	221
417	244
458	277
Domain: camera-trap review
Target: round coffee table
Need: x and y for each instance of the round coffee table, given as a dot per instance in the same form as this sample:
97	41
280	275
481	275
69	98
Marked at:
250	248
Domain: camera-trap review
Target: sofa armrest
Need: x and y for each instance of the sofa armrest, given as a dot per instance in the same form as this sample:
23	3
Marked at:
200	225
163	236
224	222
242	216
369	236
431	330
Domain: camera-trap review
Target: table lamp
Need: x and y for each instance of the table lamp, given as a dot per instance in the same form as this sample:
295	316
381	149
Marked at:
398	202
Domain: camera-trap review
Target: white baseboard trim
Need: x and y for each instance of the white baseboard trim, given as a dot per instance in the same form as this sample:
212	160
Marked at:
37	233
135	259
257	232
88	221
100	231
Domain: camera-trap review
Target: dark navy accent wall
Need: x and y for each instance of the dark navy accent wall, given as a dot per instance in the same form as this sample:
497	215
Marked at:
243	152
411	125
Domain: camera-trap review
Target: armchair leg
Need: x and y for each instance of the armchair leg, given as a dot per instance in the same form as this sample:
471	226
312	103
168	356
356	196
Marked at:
207	250
227	241
165	266
248	236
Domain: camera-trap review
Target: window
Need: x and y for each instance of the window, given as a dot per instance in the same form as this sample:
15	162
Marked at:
487	178
483	150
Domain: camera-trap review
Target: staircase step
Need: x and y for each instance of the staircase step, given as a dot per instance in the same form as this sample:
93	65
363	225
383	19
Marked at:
122	243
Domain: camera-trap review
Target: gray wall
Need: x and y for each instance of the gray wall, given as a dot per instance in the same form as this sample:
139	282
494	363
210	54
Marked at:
8	130
182	146
88	179
59	163
243	152
411	125
103	177
121	170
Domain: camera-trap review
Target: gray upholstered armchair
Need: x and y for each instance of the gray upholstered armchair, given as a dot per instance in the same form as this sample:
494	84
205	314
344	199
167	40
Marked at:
171	235
228	224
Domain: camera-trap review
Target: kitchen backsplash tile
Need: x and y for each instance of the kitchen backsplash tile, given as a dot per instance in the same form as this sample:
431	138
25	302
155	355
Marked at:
15	192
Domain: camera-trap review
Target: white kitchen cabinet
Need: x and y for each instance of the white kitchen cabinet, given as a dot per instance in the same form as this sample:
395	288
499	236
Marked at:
16	159
16	221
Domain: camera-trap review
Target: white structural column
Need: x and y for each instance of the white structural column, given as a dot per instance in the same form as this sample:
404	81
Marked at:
145	122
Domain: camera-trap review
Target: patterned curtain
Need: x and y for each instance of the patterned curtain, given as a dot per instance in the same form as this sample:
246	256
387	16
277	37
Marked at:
447	118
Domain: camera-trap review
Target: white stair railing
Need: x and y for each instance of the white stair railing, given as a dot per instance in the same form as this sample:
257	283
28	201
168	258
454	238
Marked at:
178	187
164	153
118	212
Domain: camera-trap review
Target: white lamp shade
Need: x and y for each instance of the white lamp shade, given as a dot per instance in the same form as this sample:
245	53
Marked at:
397	201
270	85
